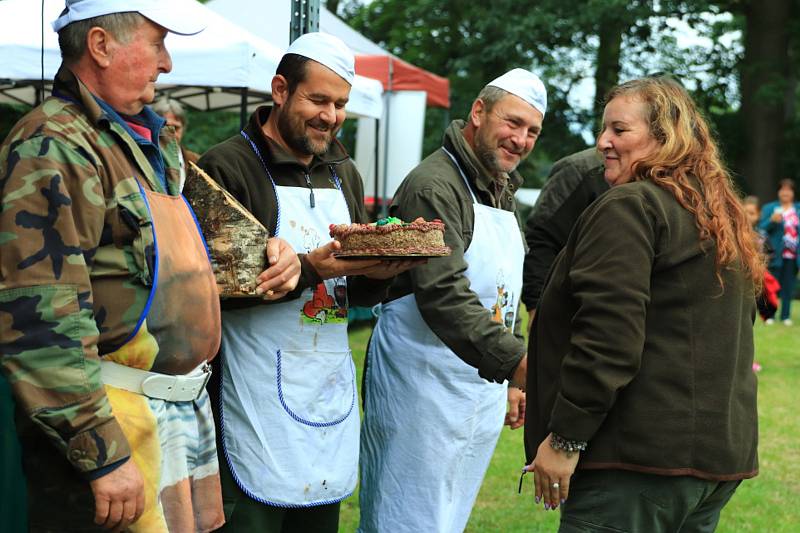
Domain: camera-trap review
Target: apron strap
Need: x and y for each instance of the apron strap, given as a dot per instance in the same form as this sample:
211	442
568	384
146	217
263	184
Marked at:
463	176
336	181
269	175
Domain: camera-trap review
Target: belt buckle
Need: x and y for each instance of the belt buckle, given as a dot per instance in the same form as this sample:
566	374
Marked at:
207	371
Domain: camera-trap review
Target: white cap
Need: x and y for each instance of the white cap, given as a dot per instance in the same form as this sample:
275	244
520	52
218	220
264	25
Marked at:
526	85
326	50
182	18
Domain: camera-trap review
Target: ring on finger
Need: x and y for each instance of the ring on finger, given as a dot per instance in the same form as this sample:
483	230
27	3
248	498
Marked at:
555	485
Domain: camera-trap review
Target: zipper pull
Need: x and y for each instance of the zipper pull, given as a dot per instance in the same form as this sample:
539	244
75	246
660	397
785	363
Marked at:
311	191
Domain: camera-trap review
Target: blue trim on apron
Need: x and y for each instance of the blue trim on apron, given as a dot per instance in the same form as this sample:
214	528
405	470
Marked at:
197	225
301	420
146	309
232	470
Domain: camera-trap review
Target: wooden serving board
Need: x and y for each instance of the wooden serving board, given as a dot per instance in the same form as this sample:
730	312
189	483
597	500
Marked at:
236	239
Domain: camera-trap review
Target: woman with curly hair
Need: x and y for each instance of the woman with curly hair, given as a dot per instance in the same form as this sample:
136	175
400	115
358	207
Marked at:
641	411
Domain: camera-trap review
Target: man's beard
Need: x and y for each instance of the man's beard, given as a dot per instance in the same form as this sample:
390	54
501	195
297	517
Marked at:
292	129
488	156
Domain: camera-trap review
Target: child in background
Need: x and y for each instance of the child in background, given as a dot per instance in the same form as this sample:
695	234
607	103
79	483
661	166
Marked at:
767	301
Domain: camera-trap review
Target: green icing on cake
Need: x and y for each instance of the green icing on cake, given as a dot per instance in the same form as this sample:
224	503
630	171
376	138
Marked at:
389	221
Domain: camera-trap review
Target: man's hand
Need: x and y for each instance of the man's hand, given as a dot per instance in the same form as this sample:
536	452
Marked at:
118	497
283	273
520	377
515	417
328	266
389	269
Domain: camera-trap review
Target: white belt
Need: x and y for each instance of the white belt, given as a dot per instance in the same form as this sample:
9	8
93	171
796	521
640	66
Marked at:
154	385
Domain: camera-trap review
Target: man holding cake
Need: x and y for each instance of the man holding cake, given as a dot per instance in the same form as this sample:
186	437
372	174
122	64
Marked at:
289	423
447	340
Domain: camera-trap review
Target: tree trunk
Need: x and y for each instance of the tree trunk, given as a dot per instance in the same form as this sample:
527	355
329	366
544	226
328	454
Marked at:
608	53
764	76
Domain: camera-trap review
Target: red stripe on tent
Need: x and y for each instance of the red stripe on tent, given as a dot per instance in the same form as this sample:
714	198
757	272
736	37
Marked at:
405	77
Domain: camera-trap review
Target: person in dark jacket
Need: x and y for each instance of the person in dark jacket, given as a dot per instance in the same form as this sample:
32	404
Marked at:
641	398
573	184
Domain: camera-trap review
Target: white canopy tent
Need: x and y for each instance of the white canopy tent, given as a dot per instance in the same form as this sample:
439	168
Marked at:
223	67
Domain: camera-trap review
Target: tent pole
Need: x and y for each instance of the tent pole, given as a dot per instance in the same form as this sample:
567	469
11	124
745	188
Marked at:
385	192
304	19
243	109
376	199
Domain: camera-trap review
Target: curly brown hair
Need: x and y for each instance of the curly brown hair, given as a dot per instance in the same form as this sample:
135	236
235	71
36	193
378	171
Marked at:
687	163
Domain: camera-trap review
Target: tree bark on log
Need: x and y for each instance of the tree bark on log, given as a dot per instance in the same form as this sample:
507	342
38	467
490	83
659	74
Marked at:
236	239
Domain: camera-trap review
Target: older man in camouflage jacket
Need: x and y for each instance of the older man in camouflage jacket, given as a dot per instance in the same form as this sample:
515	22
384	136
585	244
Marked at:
108	305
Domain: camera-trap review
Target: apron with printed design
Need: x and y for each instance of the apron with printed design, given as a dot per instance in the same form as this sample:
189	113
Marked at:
430	422
173	443
290	424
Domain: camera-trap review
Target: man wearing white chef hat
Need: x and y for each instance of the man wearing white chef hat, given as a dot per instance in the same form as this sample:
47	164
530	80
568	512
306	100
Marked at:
448	341
289	420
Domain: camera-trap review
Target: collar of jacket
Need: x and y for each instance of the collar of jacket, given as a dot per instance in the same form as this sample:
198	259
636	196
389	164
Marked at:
277	155
476	173
67	86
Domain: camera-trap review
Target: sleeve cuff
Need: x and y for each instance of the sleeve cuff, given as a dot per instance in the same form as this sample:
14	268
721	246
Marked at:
308	274
573	423
98	447
100	472
498	370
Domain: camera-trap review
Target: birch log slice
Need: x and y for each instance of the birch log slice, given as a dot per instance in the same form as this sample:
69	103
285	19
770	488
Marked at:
235	238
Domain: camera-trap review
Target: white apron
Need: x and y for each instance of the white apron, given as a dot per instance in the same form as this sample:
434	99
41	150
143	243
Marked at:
430	422
289	419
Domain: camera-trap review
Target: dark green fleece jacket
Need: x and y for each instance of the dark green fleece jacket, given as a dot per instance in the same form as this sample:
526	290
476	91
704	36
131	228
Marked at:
435	189
637	349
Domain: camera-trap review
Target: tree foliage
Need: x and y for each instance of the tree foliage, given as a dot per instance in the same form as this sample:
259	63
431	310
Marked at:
605	41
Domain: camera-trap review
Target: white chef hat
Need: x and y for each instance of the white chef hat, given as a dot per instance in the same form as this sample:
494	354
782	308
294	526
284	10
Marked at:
177	16
326	50
526	85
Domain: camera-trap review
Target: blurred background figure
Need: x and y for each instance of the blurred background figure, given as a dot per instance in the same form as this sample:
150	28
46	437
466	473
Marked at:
767	301
573	184
779	220
172	111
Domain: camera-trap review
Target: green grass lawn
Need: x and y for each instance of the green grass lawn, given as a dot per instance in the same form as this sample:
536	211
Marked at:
768	503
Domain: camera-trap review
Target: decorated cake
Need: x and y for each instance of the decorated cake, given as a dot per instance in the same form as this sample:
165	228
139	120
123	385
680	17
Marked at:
391	237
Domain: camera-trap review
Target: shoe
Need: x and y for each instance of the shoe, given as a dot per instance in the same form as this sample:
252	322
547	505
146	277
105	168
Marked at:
769	321
756	367
787	322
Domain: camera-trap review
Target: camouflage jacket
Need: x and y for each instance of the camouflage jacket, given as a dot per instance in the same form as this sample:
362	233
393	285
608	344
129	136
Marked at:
76	261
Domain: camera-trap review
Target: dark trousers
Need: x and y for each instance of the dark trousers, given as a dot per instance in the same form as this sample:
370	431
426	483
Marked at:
631	502
245	515
786	274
